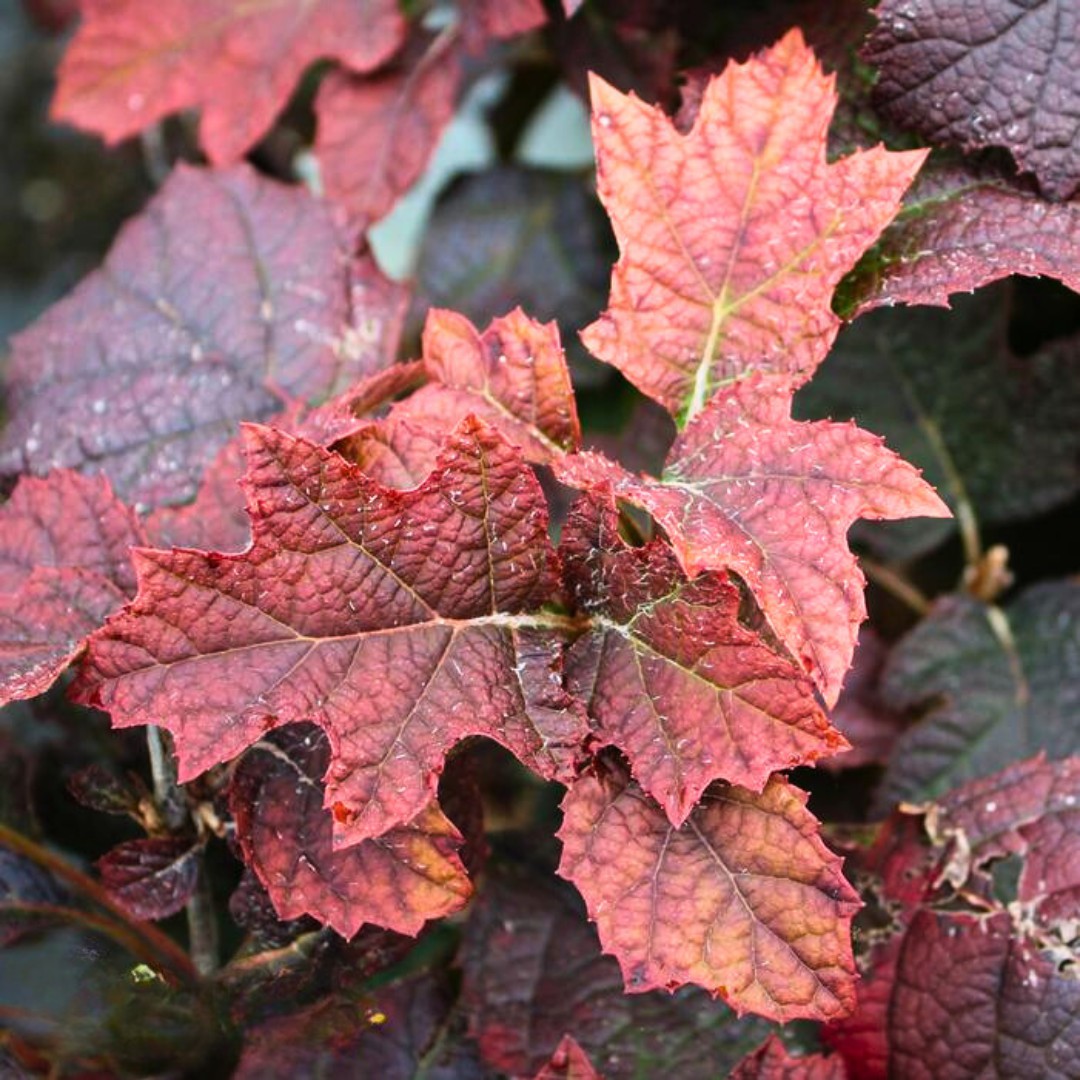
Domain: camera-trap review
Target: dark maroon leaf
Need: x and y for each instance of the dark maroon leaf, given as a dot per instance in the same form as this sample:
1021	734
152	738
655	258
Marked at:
145	369
961	227
101	790
151	878
533	973
999	73
25	886
398	1032
398	881
991	685
65	566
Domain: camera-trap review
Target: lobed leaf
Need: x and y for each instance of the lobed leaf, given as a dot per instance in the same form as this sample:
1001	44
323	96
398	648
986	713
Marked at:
397	881
65	566
670	675
744	899
962	227
750	490
400	622
130	65
733	236
144	371
992	685
513	376
771	1061
992	74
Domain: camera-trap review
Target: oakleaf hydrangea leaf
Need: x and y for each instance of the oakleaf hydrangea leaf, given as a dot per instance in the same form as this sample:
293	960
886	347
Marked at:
750	490
569	1062
130	64
672	678
399	880
992	685
961	228
733	235
513	376
744	899
771	1061
400	622
999	73
377	133
144	371
65	565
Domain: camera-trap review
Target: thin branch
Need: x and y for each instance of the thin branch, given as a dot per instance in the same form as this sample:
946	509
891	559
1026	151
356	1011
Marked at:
896	585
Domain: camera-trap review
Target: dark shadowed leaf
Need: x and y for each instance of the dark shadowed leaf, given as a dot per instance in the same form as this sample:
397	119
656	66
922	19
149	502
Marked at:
398	881
733	236
151	878
670	675
771	1061
989	429
399	1032
998	73
376	134
145	369
744	900
129	65
401	622
961	227
96	787
748	489
992	685
533	973
27	893
65	565
510	236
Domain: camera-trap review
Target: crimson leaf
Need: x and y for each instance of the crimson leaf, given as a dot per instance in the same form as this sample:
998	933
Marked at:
569	1062
128	66
153	877
672	678
64	566
1000	73
146	368
748	489
401	622
744	899
398	881
771	1061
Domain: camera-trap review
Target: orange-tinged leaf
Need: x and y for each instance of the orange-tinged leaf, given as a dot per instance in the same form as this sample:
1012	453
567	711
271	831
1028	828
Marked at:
400	622
398	881
748	489
744	899
513	376
771	1061
132	63
733	235
670	675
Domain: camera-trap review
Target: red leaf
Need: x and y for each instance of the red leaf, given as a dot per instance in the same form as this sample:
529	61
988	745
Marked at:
398	881
961	229
733	236
673	679
513	376
395	620
129	65
771	1061
65	566
569	1062
151	878
145	369
376	134
484	19
744	900
989	74
750	490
